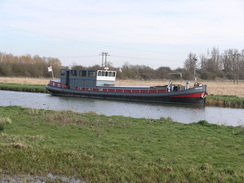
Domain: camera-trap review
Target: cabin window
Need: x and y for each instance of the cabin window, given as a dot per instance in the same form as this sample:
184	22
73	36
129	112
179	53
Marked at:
104	73
91	73
83	73
73	72
62	72
99	73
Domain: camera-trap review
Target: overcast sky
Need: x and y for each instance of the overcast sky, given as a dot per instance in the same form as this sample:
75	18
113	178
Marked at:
146	32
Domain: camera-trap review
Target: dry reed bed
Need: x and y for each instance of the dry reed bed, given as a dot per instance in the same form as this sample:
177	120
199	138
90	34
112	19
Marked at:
214	87
23	80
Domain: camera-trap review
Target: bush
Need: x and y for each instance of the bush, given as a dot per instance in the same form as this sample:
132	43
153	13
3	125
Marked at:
203	122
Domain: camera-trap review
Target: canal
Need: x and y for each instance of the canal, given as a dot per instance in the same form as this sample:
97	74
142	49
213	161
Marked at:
182	114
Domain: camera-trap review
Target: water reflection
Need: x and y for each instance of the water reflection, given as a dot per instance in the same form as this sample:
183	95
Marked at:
184	114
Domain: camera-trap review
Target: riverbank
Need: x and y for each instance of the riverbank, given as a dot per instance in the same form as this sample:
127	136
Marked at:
211	100
225	101
96	148
23	87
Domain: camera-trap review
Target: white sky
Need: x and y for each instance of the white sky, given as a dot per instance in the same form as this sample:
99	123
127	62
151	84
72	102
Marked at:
159	32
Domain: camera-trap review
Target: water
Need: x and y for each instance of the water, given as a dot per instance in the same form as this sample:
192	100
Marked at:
183	114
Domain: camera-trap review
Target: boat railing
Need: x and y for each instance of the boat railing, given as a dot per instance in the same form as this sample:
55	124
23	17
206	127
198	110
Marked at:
120	90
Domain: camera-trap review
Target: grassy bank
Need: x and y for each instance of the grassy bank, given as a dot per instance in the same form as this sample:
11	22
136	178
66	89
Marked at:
23	87
225	101
95	148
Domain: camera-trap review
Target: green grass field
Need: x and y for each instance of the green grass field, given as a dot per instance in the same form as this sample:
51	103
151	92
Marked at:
97	148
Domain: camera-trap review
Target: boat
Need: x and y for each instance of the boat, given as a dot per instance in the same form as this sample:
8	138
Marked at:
101	84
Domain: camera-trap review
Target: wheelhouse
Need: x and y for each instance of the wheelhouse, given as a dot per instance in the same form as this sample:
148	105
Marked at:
87	78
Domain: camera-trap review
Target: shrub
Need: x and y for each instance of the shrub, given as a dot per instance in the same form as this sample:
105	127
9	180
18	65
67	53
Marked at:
203	122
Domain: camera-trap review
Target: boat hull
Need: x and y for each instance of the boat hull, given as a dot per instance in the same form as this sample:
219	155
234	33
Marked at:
195	95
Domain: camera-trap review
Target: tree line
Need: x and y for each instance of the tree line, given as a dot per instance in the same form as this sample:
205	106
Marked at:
213	65
210	66
27	66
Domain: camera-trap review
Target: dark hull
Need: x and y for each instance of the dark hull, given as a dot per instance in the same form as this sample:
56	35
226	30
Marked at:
194	95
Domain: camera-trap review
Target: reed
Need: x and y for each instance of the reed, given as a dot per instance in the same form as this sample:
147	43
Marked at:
24	80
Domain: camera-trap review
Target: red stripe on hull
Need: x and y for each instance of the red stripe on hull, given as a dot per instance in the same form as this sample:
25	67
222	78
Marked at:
194	95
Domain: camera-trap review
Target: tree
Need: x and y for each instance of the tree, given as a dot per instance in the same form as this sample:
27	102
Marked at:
163	72
190	64
227	61
212	63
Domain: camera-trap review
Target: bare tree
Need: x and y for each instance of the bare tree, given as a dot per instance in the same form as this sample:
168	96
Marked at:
227	61
190	63
212	62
